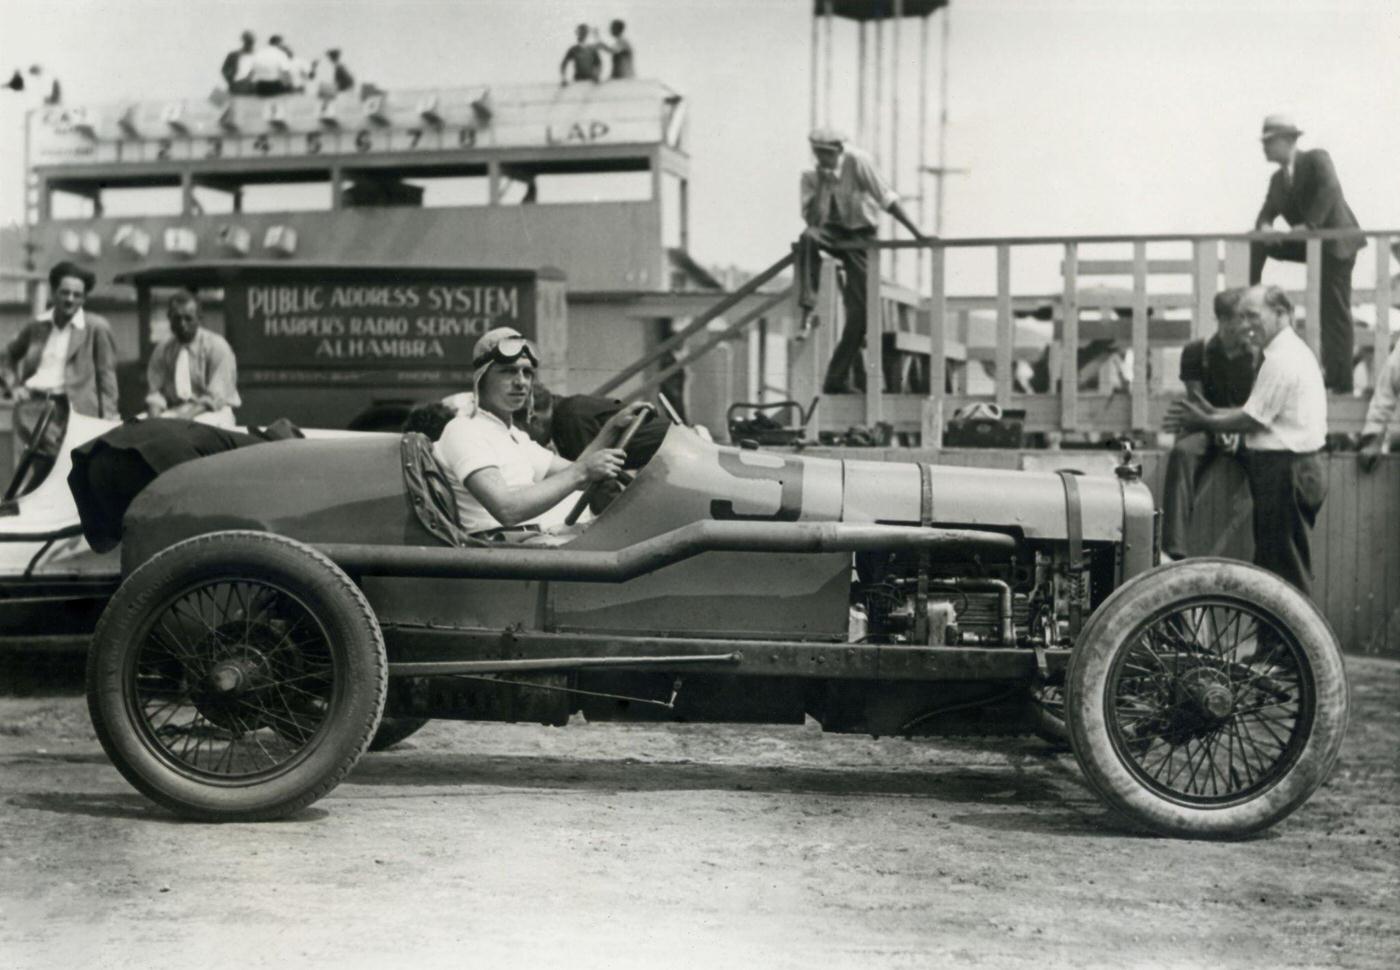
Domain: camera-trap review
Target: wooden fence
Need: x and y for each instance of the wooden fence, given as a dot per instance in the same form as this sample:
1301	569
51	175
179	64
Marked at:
923	335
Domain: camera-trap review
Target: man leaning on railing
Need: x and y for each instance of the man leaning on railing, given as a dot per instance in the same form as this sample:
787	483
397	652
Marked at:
842	199
1306	192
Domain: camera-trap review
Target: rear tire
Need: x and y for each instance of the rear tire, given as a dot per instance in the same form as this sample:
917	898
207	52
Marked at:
236	676
1206	699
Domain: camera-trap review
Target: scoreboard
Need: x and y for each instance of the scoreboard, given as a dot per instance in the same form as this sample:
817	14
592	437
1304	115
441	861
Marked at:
301	126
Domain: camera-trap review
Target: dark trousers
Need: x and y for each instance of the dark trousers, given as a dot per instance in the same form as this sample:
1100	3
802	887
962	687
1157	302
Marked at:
1190	456
1288	489
846	371
1336	325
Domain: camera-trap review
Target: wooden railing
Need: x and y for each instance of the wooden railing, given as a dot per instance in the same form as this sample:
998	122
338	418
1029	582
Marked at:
922	330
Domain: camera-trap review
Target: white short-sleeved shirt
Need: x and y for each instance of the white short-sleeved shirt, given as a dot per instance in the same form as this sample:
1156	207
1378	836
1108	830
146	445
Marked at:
470	443
1288	398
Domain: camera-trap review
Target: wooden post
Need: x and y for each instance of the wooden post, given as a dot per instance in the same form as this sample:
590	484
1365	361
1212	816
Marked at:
874	341
1140	389
1236	262
1383	298
1205	267
803	377
1006	330
1069	341
931	420
337	191
1312	326
187	193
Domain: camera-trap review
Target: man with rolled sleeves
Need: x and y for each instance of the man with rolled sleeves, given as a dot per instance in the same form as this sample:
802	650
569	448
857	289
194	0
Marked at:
842	198
192	374
1305	191
66	353
1284	423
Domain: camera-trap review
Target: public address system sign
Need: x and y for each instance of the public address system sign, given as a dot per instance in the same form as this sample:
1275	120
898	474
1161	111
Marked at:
427	324
385	333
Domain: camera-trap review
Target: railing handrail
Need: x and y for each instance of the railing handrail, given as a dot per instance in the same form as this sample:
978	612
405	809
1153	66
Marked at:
701	320
1270	235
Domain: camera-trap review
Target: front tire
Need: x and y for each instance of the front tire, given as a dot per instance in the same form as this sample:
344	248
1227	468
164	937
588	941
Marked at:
1206	699
236	676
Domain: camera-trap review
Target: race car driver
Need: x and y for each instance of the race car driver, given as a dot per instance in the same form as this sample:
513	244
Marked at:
509	478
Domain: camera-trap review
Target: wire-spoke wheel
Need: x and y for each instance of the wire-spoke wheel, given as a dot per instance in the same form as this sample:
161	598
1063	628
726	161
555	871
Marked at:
1207	698
236	676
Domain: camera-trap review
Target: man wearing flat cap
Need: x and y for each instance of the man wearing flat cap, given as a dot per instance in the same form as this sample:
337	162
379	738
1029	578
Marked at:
842	199
66	353
1305	191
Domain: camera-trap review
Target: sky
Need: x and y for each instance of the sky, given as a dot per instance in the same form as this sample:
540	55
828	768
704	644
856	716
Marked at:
1073	116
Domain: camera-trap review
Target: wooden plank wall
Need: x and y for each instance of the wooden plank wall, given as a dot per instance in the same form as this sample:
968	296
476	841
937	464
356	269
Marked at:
1356	542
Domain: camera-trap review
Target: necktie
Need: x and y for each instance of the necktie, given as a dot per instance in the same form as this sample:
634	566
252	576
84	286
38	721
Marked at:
183	389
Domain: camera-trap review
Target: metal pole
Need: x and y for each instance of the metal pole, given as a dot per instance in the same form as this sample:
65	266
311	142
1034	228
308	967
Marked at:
812	114
942	123
894	126
878	108
923	136
826	108
876	148
861	95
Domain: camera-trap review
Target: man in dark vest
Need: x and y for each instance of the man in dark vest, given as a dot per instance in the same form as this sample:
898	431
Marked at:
1305	191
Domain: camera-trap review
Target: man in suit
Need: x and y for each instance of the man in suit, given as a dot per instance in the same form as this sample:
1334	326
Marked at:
1305	191
66	353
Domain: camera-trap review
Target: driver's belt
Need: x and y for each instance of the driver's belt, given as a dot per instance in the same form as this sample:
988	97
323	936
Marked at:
1074	528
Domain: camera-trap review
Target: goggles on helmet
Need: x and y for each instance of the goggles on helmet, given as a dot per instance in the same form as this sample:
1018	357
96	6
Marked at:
509	350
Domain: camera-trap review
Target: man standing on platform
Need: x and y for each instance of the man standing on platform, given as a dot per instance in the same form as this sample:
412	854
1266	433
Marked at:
192	374
1305	191
1220	372
1284	423
842	199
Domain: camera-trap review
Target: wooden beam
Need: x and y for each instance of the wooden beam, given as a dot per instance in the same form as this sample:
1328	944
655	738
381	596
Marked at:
1205	268
1312	326
1155	267
1140	417
1069	340
1006	332
932	418
1382	304
874	327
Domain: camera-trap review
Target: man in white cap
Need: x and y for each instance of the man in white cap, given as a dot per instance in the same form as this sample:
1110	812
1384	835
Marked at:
842	198
1305	191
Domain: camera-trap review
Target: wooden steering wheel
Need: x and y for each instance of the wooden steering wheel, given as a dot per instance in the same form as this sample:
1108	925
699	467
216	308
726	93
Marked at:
623	442
31	450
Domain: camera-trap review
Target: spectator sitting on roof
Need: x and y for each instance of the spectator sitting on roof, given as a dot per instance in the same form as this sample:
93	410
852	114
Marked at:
237	66
341	79
270	69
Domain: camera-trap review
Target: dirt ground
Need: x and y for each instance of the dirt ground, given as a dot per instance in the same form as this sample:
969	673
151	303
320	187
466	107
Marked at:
484	845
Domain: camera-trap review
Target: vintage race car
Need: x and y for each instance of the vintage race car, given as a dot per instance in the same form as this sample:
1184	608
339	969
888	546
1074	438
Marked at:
283	605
